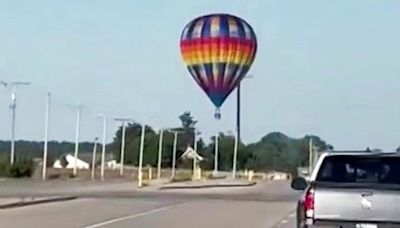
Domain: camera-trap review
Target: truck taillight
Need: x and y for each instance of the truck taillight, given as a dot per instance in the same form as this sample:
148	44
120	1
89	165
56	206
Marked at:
309	203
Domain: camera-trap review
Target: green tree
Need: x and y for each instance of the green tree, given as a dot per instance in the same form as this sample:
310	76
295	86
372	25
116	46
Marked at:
226	144
188	122
276	151
132	144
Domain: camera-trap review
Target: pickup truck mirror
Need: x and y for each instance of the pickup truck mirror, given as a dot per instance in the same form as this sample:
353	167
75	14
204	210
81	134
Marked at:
299	183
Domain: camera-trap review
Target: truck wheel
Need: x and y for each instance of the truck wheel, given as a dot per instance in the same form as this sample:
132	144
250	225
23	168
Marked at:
299	224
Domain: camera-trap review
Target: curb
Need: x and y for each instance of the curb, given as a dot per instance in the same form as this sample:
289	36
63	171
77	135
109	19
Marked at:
209	186
23	203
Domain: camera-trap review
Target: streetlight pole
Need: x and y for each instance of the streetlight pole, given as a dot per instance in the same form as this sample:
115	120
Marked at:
78	119
195	140
195	156
94	157
160	148
315	154
122	154
13	107
174	153
216	155
310	155
103	150
46	136
140	174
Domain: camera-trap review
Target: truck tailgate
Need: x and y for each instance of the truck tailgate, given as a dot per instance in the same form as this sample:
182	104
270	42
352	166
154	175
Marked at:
357	204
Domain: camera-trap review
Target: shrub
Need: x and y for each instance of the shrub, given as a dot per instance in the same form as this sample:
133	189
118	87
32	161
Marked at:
22	168
4	168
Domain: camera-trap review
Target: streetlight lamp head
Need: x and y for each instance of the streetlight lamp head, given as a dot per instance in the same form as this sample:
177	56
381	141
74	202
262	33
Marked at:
123	119
20	83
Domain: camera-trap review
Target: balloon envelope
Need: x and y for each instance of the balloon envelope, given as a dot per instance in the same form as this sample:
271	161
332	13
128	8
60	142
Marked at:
218	50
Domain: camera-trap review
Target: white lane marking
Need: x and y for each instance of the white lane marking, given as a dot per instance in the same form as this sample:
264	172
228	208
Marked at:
284	220
129	217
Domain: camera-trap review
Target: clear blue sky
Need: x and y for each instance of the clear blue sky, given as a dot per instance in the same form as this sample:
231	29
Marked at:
329	68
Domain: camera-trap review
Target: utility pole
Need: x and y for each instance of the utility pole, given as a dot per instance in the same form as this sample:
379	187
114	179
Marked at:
238	112
160	148
238	107
13	107
238	132
78	119
122	154
94	157
46	136
235	150
237	138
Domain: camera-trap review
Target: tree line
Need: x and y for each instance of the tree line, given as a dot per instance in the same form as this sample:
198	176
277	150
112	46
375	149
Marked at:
275	151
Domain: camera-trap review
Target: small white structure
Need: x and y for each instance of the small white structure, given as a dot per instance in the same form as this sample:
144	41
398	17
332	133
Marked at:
277	175
70	160
57	164
113	164
191	154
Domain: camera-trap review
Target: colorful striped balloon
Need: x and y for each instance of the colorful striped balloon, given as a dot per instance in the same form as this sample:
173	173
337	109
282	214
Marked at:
218	50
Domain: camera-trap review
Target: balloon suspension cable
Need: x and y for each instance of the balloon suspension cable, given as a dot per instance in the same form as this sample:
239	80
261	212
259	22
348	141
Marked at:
217	114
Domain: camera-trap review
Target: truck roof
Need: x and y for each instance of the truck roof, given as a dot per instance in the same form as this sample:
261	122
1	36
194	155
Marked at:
361	153
315	170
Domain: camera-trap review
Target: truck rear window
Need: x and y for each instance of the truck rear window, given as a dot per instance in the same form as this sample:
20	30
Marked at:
360	169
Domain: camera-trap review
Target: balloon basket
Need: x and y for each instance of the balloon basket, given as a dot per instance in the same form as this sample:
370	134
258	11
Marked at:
217	114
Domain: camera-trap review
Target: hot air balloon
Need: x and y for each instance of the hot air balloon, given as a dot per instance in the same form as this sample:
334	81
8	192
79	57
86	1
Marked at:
218	50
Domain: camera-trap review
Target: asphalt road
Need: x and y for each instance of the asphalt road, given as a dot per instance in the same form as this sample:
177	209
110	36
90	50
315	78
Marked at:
269	204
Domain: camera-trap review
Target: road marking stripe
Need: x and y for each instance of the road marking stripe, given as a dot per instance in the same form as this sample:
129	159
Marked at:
284	220
129	217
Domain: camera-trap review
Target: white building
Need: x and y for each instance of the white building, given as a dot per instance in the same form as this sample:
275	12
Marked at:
69	160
